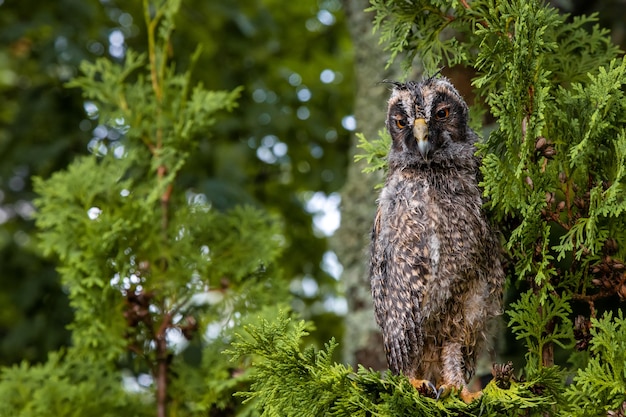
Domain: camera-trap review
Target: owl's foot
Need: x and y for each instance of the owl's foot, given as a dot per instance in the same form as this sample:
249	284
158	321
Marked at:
467	396
425	387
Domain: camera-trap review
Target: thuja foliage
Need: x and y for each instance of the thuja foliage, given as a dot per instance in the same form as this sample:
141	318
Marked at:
553	179
67	384
599	387
144	260
289	381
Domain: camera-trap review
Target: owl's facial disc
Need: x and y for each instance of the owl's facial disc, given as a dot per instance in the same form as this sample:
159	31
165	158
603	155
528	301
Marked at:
420	131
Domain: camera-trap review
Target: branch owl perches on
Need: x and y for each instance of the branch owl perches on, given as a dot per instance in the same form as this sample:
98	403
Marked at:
435	268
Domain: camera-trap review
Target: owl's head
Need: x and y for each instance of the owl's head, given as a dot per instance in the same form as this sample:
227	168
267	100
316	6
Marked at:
427	121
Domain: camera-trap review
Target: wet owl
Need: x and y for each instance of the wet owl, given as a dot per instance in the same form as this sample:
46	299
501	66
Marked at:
435	269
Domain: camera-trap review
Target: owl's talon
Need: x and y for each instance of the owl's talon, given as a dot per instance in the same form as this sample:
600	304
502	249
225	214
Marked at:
444	390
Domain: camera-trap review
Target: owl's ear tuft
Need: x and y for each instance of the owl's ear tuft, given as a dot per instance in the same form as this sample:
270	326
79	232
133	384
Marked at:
396	84
437	73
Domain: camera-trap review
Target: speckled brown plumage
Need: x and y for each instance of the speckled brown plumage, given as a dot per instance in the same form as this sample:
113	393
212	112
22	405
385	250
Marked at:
435	269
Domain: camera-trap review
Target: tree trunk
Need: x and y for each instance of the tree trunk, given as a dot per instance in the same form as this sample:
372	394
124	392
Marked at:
362	342
161	376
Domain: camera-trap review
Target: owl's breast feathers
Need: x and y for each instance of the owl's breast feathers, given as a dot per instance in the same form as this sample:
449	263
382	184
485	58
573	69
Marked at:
433	226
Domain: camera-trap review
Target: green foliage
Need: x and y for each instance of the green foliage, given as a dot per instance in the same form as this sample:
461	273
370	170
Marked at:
374	152
208	382
278	343
38	134
424	26
601	386
288	381
541	323
275	50
111	216
143	258
63	386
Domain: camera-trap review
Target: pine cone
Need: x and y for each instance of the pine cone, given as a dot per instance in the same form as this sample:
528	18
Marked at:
582	325
545	148
137	307
610	276
503	374
189	328
621	412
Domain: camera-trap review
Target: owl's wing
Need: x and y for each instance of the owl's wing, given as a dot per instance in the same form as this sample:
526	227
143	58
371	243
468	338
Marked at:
396	279
377	272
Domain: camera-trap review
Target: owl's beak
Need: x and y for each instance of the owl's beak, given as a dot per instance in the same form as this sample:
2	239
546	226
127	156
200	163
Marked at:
420	131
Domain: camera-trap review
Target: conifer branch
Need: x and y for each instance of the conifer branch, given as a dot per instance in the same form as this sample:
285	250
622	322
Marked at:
151	26
290	382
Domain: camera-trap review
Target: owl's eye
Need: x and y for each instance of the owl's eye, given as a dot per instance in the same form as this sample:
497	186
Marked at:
401	123
442	113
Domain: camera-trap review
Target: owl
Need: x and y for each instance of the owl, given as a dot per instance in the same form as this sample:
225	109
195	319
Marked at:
435	270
